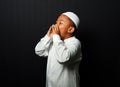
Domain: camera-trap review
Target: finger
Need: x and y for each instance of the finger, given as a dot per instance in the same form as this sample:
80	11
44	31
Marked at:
53	26
54	31
50	29
56	27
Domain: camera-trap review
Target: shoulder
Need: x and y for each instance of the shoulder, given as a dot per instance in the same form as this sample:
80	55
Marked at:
73	41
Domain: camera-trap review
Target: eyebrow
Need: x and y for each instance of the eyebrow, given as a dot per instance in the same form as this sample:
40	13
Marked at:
60	20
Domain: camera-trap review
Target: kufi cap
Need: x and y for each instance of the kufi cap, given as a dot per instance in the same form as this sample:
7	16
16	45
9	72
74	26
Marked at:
73	17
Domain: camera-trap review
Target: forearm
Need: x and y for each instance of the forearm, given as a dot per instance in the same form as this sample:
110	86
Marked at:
43	45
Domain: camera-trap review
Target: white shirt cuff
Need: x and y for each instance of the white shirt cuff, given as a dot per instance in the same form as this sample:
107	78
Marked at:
56	37
46	38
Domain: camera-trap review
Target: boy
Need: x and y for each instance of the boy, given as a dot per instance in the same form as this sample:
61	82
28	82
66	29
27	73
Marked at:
63	50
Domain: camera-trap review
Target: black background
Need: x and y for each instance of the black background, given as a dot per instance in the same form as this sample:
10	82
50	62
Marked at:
24	22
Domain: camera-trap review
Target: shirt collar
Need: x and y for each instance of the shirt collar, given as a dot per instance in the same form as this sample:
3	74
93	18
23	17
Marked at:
69	38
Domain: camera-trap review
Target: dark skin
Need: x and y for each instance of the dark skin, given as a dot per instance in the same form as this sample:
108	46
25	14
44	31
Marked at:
63	27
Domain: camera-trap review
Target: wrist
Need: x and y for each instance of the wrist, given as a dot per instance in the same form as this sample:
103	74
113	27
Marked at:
56	37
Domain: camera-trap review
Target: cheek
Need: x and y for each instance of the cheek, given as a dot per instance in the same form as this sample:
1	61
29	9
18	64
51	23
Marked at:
63	29
63	32
61	26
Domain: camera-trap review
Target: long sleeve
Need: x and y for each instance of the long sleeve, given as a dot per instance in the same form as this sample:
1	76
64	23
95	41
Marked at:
65	51
43	46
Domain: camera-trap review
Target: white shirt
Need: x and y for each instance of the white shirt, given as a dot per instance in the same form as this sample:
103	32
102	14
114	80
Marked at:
63	60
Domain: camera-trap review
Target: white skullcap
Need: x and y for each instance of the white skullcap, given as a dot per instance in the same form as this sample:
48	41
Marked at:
73	17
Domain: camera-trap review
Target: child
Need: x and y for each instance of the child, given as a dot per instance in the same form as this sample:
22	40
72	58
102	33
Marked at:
63	50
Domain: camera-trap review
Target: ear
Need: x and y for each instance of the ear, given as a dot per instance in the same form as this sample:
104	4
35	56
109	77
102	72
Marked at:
71	30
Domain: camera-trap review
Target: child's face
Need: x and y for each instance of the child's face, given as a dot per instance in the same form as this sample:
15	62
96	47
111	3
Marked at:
63	23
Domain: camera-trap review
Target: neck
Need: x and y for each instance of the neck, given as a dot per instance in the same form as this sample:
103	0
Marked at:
67	36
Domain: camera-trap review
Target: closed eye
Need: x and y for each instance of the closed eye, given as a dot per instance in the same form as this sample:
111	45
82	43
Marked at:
61	22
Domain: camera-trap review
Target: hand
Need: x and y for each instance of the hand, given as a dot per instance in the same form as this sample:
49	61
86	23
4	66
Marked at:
55	29
49	33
